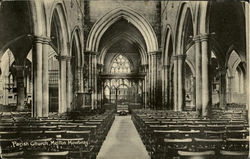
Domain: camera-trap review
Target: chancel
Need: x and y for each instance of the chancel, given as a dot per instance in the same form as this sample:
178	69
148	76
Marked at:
124	79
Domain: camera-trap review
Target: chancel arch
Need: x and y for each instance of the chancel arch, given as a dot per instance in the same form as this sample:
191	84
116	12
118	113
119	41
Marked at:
131	16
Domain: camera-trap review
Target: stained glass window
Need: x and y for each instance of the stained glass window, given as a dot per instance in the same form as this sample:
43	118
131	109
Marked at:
120	65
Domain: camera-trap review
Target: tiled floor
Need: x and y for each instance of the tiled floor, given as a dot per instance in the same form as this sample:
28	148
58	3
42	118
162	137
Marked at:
123	141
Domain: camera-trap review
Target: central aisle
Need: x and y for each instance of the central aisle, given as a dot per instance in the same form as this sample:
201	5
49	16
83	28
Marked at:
123	141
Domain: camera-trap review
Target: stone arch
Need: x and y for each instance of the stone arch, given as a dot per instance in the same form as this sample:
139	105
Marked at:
231	50
75	38
111	17
76	62
185	12
58	12
127	37
168	44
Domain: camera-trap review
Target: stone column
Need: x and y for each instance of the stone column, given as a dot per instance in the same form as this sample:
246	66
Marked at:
92	76
146	85
154	78
80	79
175	83
6	82
222	73
70	85
46	79
94	80
181	83
40	80
230	80
150	80
20	86
100	83
206	84
158	80
63	84
198	88
193	92
167	86
28	83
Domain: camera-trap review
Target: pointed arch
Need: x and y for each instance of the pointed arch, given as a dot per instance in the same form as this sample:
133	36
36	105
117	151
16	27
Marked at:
76	41
168	46
185	14
130	38
58	14
131	16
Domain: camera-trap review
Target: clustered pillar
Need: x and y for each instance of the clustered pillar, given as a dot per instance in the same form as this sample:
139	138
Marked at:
63	102
20	74
222	73
92	78
166	88
175	83
179	88
202	67
154	84
40	76
158	89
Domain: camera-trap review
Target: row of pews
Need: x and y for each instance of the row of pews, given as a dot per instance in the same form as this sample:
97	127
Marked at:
170	134
53	137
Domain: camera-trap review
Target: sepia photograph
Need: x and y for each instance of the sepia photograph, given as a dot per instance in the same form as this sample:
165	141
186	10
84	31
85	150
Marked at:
124	79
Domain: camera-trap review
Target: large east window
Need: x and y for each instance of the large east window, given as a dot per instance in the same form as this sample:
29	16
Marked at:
120	65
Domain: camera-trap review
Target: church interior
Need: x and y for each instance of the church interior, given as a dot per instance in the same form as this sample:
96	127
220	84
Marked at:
124	79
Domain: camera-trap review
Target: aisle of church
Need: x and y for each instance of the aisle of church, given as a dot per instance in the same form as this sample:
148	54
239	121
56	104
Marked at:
123	141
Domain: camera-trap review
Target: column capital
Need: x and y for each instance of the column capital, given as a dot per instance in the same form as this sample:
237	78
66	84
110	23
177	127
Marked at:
222	71
202	37
42	39
179	57
145	66
63	58
166	66
158	53
80	67
20	67
88	52
100	66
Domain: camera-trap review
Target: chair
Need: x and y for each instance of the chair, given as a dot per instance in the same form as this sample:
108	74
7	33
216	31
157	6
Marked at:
214	134
196	155
172	146
234	154
237	133
202	144
47	155
237	144
12	154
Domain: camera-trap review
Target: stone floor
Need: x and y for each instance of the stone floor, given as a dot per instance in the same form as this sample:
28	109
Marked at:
123	141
